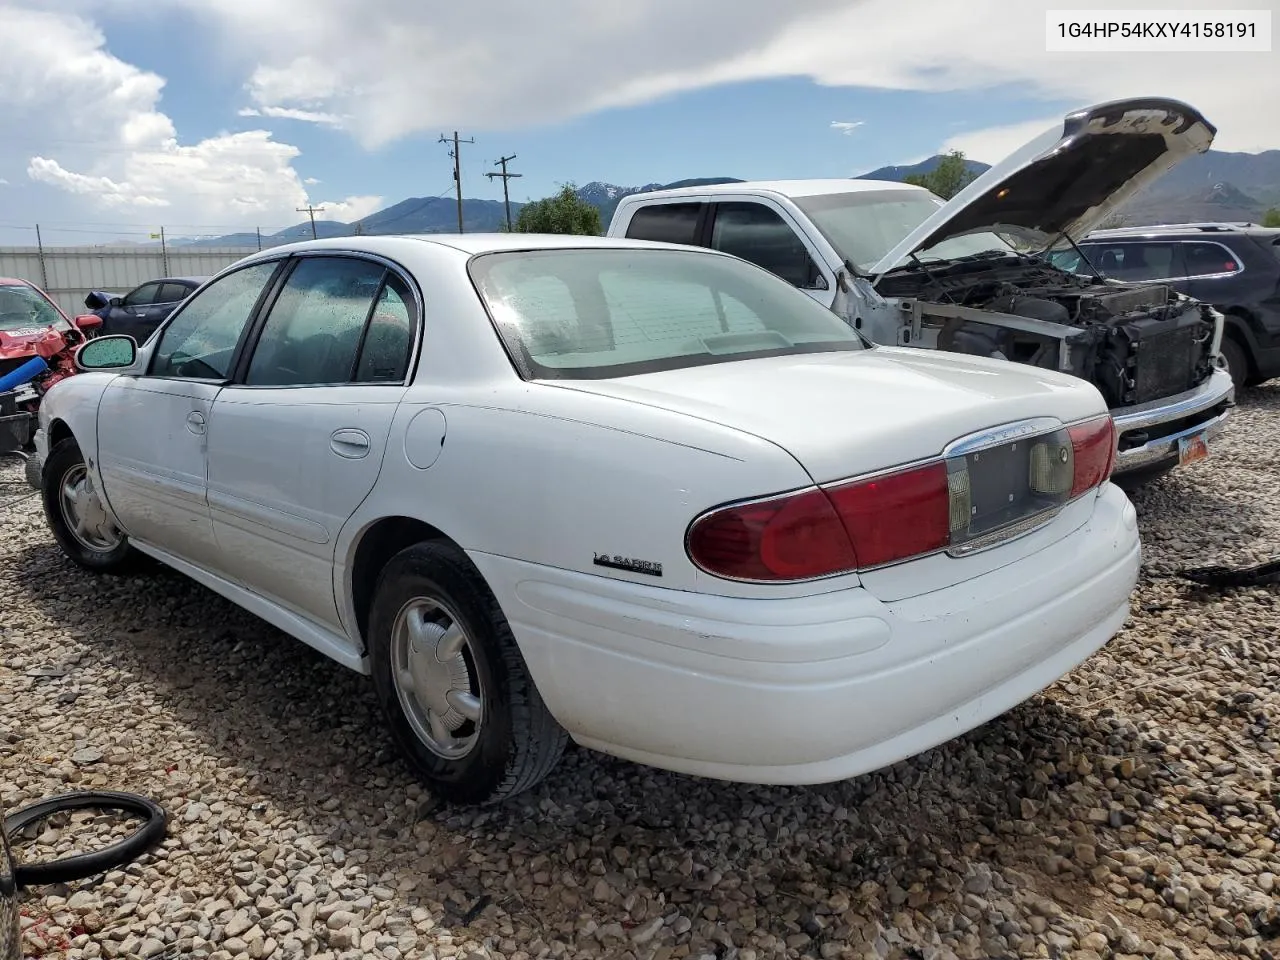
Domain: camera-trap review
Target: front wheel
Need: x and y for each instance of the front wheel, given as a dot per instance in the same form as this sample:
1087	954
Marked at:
452	683
77	517
1237	361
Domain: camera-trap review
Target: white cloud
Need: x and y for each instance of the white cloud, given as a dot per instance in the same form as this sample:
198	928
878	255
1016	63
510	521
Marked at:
992	144
382	70
386	69
289	113
352	208
89	125
310	181
846	126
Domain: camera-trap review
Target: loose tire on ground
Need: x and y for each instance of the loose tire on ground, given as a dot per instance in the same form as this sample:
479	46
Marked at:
517	742
122	558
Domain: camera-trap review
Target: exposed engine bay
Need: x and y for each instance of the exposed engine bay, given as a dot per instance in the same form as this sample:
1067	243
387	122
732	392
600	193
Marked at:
1134	342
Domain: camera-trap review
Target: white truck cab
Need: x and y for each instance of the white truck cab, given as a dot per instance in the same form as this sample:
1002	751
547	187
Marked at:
971	275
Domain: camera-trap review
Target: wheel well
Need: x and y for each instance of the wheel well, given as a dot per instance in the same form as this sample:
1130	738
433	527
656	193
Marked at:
1241	337
58	431
382	541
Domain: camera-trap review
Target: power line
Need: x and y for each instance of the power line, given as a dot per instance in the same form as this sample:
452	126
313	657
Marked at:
506	197
457	169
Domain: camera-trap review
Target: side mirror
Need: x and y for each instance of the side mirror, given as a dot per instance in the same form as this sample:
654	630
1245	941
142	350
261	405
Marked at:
116	302
96	300
87	321
107	353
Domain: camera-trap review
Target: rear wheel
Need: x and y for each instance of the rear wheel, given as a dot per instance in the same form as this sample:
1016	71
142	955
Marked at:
452	682
77	517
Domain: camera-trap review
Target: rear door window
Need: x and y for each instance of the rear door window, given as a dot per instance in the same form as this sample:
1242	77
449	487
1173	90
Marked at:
172	292
665	223
1208	259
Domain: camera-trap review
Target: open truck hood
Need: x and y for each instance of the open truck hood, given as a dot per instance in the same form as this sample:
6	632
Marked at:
1068	179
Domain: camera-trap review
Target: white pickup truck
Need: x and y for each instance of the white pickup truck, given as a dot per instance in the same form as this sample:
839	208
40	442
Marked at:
971	275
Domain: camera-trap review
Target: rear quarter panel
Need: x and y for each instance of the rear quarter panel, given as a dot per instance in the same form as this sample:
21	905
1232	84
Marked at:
552	477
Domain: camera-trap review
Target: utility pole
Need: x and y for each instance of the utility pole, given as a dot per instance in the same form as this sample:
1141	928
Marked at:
44	270
309	209
506	197
457	169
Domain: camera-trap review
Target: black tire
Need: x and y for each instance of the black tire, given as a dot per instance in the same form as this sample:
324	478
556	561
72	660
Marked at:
81	866
32	471
1237	361
518	742
123	558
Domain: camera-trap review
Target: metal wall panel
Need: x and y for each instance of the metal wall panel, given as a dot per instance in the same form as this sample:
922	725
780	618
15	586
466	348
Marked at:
69	273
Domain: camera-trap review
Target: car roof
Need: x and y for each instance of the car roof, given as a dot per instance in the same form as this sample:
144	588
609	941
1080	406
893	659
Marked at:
15	282
1204	229
786	188
471	243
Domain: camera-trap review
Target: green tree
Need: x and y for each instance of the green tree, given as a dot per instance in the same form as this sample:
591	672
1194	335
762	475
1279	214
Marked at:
947	179
565	212
1271	218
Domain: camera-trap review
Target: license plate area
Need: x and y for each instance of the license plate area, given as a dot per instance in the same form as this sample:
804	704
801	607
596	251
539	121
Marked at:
1192	449
1008	489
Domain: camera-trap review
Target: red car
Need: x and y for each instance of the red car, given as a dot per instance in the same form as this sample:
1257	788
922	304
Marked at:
37	346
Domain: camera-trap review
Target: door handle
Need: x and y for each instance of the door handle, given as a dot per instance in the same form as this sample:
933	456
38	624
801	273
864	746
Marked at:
350	443
195	421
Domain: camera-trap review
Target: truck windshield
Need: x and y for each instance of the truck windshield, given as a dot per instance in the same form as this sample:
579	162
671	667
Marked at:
596	313
863	226
22	307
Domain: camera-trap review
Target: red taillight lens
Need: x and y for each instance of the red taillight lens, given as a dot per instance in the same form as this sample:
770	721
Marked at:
1093	447
794	537
897	515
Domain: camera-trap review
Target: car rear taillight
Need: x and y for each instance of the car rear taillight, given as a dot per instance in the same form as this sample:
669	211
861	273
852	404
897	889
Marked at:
792	537
896	515
1093	445
958	503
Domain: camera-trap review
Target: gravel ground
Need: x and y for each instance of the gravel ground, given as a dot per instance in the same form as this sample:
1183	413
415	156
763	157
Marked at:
1128	811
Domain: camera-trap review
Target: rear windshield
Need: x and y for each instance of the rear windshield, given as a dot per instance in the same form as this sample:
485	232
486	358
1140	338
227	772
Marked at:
597	313
23	308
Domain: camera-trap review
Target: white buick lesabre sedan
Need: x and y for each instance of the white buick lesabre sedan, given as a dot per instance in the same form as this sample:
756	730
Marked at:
648	497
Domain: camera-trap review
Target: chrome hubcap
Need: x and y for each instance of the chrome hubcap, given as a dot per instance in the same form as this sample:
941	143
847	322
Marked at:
83	510
435	678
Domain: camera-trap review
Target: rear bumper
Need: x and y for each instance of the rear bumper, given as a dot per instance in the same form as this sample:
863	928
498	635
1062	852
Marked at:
1149	433
819	688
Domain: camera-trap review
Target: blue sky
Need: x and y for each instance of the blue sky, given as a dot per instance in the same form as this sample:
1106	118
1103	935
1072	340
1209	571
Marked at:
161	90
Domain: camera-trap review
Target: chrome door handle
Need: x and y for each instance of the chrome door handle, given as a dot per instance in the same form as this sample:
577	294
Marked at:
350	443
195	421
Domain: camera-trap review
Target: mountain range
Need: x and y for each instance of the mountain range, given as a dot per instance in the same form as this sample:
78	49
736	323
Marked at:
1214	186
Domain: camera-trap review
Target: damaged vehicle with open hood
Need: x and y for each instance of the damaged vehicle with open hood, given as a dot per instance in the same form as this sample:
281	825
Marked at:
972	275
37	347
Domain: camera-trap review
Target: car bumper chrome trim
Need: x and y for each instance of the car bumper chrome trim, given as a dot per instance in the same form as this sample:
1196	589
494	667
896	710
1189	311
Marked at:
1215	390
